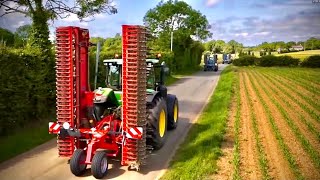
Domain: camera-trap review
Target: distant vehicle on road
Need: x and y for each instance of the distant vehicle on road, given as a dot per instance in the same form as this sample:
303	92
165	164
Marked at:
226	59
210	62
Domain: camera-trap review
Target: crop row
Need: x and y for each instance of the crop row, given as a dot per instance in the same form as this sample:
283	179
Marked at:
236	153
286	96
304	142
297	93
284	147
302	81
263	162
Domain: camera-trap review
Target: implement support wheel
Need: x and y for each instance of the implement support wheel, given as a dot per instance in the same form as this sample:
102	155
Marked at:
77	162
99	165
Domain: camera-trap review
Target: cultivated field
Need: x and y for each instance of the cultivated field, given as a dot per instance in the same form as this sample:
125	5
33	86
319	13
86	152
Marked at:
275	125
301	54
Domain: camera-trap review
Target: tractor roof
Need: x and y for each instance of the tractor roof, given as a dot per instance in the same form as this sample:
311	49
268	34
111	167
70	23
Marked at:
120	61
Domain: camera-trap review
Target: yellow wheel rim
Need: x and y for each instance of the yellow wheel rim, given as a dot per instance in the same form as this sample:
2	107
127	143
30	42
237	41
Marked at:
175	113
162	123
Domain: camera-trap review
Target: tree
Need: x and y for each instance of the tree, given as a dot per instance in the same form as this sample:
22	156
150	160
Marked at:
21	35
209	46
312	43
218	46
177	16
289	45
41	12
6	37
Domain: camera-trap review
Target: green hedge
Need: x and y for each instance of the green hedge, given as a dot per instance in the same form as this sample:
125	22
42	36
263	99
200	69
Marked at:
266	61
245	60
312	61
27	88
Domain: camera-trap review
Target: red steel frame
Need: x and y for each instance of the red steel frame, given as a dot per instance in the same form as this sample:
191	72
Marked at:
74	97
134	92
73	90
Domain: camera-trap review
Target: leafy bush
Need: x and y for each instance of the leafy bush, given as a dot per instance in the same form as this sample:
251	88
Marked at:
287	61
245	60
267	61
27	88
312	61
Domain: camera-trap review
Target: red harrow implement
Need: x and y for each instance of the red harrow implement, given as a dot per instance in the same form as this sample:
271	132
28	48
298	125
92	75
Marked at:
84	137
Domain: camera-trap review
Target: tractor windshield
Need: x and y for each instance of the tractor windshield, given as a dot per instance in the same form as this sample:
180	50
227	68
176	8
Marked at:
114	77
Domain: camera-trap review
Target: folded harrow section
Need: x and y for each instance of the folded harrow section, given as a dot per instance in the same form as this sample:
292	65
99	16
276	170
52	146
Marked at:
134	92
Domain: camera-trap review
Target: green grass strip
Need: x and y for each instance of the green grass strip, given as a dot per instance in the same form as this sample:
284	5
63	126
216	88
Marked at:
236	152
263	162
304	142
197	156
23	140
309	125
284	148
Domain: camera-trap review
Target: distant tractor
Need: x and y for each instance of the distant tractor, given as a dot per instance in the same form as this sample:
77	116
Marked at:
226	59
127	118
210	62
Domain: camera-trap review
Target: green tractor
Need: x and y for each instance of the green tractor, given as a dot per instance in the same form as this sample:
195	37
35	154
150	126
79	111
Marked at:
162	108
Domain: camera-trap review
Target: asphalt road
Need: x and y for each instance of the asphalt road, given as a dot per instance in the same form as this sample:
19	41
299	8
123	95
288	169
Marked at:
42	163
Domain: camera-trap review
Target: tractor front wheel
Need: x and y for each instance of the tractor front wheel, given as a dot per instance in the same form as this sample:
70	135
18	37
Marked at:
99	165
157	123
77	162
173	111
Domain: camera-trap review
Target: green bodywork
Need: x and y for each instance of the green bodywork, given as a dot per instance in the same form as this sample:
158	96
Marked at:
103	95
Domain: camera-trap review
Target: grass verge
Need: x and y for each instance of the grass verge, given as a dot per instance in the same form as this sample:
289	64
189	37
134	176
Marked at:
236	152
197	156
23	140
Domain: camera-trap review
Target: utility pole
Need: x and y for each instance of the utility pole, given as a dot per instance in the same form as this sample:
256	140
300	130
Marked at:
97	63
171	39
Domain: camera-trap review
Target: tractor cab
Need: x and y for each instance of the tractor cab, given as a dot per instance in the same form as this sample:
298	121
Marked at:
156	74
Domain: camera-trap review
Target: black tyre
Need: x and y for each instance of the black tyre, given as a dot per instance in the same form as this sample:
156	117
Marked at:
99	110
157	123
77	160
173	111
216	69
99	165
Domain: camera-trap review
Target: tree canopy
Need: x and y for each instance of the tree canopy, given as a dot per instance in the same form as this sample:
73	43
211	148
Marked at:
177	16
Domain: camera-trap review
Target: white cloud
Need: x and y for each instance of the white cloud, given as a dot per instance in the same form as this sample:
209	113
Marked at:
211	3
264	33
244	34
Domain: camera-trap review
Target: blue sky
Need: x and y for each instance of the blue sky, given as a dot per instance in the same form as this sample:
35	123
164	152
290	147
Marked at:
250	22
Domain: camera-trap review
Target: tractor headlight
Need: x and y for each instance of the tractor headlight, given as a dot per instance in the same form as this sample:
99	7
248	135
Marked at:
216	64
66	125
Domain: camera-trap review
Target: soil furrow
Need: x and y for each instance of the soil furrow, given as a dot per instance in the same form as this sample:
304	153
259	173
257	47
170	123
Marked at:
278	166
302	99
293	111
301	108
308	170
248	151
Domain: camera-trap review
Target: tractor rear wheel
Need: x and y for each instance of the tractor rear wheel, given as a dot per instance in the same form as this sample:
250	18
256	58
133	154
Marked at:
99	165
77	162
173	111
157	123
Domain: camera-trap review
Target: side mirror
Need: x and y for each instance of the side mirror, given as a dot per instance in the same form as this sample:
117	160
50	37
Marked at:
166	70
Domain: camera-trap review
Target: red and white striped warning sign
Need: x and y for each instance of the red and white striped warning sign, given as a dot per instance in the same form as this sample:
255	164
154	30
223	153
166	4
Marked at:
54	127
135	133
